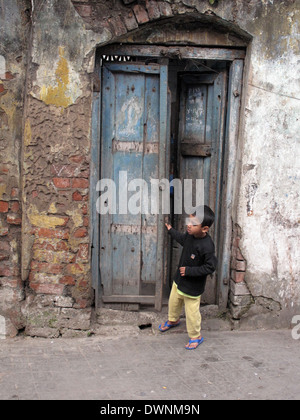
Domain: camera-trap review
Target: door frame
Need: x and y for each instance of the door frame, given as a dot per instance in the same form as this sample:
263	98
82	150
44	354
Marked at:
235	57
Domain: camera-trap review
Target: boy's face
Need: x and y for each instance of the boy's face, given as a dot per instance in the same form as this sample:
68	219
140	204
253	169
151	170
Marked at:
195	228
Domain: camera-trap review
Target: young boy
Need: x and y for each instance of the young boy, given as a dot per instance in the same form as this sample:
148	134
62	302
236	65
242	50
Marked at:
196	262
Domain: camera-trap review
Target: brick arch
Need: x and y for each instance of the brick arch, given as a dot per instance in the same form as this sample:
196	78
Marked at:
121	16
131	17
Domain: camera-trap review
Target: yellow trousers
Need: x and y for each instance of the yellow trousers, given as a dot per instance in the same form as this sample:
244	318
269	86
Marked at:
192	311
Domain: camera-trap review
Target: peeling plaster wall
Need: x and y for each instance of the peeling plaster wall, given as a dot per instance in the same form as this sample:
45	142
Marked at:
14	32
62	50
55	234
268	202
55	292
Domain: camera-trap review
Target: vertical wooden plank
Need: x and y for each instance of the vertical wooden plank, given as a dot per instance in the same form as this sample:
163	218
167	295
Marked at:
195	117
220	98
163	92
167	239
126	243
150	171
180	160
194	123
208	162
94	177
204	126
126	231
217	137
133	140
108	133
231	138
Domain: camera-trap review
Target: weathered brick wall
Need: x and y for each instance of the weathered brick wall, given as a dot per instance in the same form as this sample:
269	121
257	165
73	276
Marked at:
56	172
240	296
15	26
123	16
58	193
56	223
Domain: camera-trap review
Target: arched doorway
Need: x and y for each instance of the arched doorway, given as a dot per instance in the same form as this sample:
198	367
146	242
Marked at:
163	110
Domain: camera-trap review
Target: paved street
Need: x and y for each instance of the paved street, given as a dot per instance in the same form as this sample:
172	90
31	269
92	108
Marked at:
152	366
228	365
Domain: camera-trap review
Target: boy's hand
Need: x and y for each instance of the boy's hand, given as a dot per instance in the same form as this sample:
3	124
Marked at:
182	271
168	226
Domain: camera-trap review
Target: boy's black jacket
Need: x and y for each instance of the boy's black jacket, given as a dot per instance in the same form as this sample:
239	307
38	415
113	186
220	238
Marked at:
198	256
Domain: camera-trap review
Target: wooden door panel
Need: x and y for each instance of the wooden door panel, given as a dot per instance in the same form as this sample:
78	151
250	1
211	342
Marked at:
134	102
202	114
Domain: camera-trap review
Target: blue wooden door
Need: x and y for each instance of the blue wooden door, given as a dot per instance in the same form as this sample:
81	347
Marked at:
201	140
133	151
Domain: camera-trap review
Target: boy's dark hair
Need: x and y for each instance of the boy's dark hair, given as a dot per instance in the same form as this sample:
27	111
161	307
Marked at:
208	215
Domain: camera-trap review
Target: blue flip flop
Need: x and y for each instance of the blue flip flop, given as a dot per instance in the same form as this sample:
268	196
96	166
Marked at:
198	341
166	324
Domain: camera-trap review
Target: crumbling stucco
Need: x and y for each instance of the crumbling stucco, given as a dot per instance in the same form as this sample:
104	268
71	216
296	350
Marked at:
64	56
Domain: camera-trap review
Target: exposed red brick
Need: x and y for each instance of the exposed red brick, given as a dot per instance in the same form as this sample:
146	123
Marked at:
81	303
83	253
56	257
2	89
80	232
57	245
75	269
3	231
46	267
15	206
236	241
153	9
52	233
66	219
42	278
165	9
239	276
5	271
130	21
50	289
239	255
8	270
140	14
84	209
76	158
13	219
3	206
76	196
118	26
240	265
80	183
12	282
9	75
61	182
84	10
14	192
68	280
